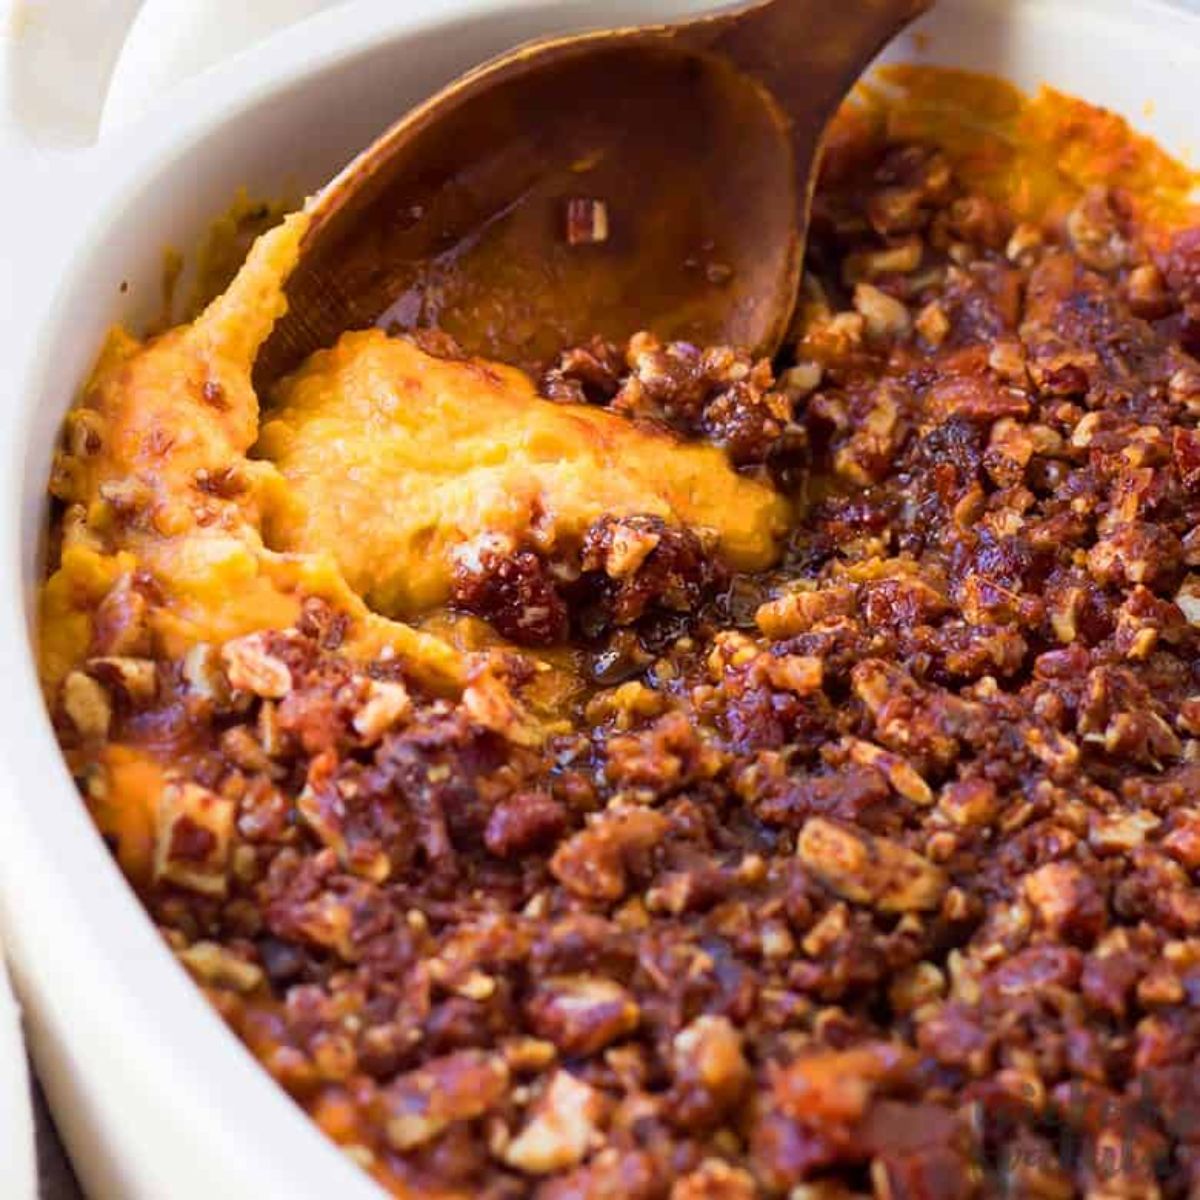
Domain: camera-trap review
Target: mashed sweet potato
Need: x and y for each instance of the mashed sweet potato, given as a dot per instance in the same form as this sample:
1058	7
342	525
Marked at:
390	461
396	461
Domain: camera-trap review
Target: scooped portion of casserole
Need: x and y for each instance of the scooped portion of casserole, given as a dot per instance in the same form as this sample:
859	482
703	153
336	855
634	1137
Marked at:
682	776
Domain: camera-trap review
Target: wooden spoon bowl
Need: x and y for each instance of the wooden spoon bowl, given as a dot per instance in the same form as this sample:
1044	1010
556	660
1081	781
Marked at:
655	178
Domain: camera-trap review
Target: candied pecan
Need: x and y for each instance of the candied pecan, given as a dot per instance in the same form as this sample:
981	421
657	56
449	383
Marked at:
134	680
971	396
869	870
870	450
423	1103
524	822
918	1150
121	623
352	820
630	1174
799	611
836	1086
711	1072
853	793
639	562
435	766
885	316
719	392
671	754
251	666
585	374
322	623
86	704
513	590
204	674
1067	900
908	718
582	1014
817	1104
217	966
1081	339
1037	967
1183	840
595	864
901	257
385	704
561	1129
1137	553
489	702
714	1179
193	839
1094	226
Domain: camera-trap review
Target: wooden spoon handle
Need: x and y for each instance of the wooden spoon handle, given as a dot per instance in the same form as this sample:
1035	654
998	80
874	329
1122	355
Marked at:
807	53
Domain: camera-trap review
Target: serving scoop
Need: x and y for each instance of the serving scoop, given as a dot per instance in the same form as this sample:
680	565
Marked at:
653	178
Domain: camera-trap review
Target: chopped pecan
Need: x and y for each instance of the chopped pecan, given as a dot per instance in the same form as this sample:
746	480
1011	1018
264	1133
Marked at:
424	1103
900	774
710	1068
870	870
204	674
1067	901
135	679
885	316
560	1132
797	612
524	822
513	589
714	1179
595	864
194	838
385	706
251	667
86	705
215	965
582	1014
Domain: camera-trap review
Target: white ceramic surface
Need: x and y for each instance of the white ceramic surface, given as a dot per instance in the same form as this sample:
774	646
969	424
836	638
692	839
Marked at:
170	40
17	1161
155	1099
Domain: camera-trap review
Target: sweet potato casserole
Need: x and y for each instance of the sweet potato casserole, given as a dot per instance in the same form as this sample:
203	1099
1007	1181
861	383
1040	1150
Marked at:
684	776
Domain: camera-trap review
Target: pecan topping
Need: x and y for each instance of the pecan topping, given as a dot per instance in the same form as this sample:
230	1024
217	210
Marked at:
561	1130
252	668
194	838
866	870
582	1014
459	1087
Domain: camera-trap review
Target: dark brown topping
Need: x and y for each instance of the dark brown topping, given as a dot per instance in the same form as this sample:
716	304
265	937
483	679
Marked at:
717	394
515	591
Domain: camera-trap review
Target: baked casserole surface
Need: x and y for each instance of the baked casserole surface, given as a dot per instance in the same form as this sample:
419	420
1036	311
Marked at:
679	775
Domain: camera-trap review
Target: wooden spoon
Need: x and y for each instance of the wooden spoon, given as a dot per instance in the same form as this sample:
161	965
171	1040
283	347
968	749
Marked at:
648	178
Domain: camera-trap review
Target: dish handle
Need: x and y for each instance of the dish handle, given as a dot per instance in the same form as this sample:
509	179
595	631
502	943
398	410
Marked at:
61	55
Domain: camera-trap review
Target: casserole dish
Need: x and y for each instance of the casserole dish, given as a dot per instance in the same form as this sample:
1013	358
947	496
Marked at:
155	1098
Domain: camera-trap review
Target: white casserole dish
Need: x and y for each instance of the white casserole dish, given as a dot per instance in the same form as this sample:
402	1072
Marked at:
155	1099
